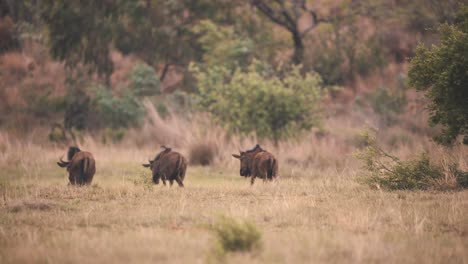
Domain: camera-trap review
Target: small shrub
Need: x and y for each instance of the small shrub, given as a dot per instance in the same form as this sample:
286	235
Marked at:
389	172
117	111
461	176
202	154
144	179
162	109
236	236
144	80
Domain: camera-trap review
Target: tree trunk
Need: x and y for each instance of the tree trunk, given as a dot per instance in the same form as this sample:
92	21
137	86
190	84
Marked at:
298	47
164	71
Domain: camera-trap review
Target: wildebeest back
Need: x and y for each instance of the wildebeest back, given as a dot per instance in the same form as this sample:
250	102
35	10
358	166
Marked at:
82	168
265	165
168	165
257	162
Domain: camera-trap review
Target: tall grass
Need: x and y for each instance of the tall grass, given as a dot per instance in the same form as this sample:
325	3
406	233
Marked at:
330	148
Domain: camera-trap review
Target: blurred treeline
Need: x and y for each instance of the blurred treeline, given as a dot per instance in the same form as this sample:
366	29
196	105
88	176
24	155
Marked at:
87	64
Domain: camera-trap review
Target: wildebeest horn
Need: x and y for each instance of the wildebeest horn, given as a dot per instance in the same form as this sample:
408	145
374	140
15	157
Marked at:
63	163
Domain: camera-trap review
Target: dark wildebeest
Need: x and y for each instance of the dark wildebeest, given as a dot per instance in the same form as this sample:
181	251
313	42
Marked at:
257	162
80	166
168	165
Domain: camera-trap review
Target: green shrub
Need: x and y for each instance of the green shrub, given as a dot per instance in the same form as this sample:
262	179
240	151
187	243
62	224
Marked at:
143	178
389	172
236	236
57	134
461	176
162	109
256	100
144	80
117	111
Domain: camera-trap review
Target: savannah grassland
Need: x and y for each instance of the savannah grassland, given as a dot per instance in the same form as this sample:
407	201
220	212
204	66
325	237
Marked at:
318	211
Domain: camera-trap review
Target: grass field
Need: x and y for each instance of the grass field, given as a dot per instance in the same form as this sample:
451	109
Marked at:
310	215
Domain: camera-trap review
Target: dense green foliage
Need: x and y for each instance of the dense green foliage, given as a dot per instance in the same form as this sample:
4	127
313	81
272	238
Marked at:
144	80
389	172
78	37
117	111
257	100
125	109
442	73
222	45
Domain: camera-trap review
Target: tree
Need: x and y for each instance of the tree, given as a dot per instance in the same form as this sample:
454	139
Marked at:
81	32
287	13
256	100
442	73
158	32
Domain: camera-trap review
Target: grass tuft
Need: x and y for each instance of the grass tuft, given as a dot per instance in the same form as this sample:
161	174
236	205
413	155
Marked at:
237	236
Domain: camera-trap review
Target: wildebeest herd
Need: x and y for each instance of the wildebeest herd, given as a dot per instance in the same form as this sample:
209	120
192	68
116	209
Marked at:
171	166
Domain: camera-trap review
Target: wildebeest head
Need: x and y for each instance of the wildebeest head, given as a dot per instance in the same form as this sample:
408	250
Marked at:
246	159
153	161
71	152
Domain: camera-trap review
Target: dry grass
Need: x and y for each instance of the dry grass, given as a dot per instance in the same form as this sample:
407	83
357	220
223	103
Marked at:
316	212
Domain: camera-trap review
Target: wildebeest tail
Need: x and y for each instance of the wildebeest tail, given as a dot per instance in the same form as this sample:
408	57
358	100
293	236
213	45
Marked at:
84	170
272	169
178	167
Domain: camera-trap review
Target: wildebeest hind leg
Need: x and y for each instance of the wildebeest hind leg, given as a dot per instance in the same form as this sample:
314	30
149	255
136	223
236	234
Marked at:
179	181
252	180
171	182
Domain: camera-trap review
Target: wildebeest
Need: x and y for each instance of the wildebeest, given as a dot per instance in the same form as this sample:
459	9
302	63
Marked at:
80	166
257	162
168	165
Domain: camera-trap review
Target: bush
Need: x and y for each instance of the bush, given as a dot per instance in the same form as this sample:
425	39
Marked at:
256	100
57	134
144	80
202	154
143	178
235	236
389	172
116	112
